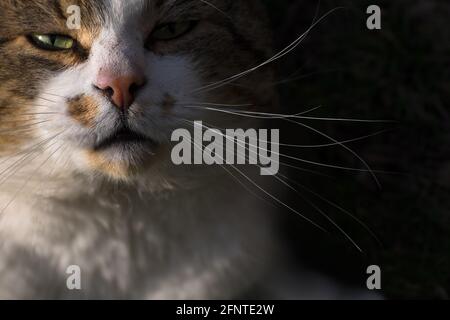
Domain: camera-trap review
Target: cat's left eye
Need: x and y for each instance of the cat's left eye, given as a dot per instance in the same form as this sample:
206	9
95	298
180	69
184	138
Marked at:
170	31
52	42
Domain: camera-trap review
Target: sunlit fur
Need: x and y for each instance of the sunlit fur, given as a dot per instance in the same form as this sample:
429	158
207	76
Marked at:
138	226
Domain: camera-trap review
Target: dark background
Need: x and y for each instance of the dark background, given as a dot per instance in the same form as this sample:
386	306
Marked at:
399	73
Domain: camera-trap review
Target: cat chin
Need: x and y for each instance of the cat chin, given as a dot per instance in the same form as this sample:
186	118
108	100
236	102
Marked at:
121	165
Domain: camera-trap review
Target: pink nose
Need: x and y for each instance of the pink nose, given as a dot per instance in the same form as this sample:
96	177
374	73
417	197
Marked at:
120	89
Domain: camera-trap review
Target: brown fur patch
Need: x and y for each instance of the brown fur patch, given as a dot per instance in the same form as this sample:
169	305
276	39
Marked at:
116	170
84	109
92	13
16	125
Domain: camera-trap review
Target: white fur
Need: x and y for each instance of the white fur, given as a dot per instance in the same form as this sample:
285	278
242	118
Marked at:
192	244
168	233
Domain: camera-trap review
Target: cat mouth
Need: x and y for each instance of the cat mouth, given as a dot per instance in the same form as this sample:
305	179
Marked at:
125	137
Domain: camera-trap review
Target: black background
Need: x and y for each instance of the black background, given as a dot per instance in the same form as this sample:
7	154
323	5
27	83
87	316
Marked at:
399	73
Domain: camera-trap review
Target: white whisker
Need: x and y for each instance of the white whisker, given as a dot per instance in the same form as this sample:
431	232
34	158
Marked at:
28	180
253	152
265	115
269	194
216	8
25	127
321	212
276	57
335	206
314	205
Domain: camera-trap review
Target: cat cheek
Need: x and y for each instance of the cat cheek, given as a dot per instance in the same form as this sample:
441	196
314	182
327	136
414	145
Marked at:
84	110
13	116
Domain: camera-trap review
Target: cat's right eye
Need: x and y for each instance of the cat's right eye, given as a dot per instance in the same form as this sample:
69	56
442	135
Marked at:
52	42
171	31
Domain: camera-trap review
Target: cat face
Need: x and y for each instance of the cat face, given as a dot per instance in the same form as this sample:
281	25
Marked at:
105	98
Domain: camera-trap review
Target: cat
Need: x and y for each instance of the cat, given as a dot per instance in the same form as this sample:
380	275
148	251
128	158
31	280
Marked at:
86	116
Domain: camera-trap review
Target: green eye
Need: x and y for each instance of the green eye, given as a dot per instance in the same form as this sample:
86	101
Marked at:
52	42
172	31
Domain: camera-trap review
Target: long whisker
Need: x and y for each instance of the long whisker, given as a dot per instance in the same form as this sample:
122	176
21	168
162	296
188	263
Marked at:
265	115
310	162
234	177
12	170
324	164
334	205
30	114
26	127
38	186
325	144
253	152
370	170
284	164
334	143
28	180
54	95
298	78
276	57
24	104
204	105
311	203
218	9
321	212
269	194
47	100
242	114
244	186
211	104
27	153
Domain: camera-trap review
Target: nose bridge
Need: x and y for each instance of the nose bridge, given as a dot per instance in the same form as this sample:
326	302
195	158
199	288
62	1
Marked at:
116	50
118	71
120	60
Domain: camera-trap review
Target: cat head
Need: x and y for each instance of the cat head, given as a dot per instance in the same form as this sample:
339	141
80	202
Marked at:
103	98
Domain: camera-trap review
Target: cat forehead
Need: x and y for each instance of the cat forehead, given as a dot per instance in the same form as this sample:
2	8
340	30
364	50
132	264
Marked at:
104	9
18	16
